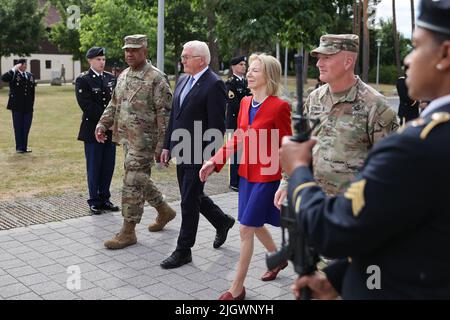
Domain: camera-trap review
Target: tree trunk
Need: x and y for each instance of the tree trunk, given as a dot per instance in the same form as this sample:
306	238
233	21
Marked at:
413	18
212	40
176	60
357	26
355	16
396	45
365	55
305	65
1	82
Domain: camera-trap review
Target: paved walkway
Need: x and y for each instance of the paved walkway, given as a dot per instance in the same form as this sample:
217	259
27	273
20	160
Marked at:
36	260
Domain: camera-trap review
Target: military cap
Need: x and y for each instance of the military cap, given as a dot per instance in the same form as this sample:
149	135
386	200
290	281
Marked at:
234	61
334	43
21	60
95	52
135	41
434	15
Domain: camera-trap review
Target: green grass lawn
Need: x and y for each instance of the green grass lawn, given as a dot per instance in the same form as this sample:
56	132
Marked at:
57	162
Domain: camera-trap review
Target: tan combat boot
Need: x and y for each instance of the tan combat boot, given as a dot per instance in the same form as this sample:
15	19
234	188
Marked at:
126	237
165	214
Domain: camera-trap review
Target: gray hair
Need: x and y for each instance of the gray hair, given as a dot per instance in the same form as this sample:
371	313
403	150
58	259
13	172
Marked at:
199	48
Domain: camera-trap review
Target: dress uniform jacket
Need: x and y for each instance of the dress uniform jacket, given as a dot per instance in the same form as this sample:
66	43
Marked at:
237	89
21	91
93	95
395	215
408	109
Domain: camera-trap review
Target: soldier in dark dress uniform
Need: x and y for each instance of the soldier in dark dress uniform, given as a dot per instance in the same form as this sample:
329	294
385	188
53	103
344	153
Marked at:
21	102
93	90
237	89
408	109
390	229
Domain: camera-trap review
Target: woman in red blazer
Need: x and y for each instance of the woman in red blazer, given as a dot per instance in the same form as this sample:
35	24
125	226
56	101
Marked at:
262	122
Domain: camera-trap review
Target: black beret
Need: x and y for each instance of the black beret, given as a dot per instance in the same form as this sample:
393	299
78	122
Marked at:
22	60
434	15
234	61
95	52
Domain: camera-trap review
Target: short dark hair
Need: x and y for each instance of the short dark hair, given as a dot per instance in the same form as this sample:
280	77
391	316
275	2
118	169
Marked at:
439	37
22	60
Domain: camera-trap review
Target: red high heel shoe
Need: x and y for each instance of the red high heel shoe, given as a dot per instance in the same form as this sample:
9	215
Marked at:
272	274
228	296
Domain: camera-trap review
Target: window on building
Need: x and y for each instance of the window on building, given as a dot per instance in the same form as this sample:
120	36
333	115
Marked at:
48	64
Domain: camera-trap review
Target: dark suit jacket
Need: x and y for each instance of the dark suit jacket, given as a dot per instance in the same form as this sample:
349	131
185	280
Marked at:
93	95
395	215
204	105
21	91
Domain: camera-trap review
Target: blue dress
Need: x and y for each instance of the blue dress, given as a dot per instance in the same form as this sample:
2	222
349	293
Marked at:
255	207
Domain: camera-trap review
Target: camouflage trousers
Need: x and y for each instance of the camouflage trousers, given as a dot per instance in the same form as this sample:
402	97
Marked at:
138	186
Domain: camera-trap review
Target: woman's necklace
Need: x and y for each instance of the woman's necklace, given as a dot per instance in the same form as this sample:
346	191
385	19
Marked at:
256	104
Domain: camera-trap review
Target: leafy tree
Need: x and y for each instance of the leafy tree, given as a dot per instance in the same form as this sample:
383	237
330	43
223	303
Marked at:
21	26
387	52
111	20
68	39
182	24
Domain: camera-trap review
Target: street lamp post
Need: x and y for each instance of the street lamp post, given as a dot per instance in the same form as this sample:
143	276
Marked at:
378	62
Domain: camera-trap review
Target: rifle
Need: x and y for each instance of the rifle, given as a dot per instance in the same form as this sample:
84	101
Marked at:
296	247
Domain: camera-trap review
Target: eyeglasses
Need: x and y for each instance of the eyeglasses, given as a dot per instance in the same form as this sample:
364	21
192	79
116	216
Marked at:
188	57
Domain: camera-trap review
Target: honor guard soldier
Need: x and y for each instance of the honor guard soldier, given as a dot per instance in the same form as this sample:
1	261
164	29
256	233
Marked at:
93	90
21	101
393	221
408	109
237	89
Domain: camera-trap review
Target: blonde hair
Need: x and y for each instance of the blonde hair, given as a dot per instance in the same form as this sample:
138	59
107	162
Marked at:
271	69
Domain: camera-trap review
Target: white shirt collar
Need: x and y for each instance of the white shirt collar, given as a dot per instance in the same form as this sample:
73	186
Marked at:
98	74
198	75
239	77
435	104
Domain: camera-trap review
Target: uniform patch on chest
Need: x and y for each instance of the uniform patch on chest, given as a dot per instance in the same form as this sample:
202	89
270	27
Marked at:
317	108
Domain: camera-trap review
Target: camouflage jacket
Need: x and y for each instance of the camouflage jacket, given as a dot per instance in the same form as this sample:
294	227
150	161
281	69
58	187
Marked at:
350	125
139	109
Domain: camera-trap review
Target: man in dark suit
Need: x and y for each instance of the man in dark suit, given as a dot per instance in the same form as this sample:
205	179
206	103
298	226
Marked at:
93	90
21	101
237	89
199	102
393	221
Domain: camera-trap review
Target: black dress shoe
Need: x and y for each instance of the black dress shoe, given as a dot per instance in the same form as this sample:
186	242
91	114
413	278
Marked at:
109	206
221	234
176	259
24	151
95	209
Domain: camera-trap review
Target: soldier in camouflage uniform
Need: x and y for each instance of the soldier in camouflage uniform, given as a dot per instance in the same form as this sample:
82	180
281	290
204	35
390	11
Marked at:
138	115
353	116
